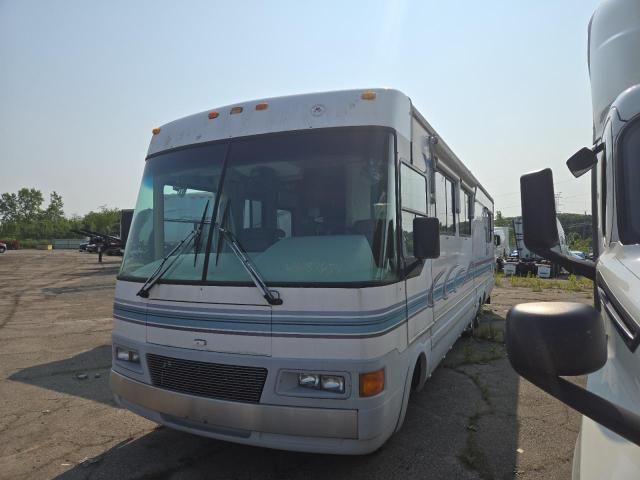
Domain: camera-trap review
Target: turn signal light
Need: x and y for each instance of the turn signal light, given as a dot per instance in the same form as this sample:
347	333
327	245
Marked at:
213	115
235	110
371	383
262	106
156	130
368	96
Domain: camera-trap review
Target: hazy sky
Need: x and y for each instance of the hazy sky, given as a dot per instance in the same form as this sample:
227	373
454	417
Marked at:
82	83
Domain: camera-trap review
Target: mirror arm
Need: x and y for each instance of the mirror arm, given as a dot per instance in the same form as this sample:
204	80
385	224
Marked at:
617	419
586	268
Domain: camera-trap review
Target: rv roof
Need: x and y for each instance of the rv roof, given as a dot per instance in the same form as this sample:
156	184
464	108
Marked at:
380	107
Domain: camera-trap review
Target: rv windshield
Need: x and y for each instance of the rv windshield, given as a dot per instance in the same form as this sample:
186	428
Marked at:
312	207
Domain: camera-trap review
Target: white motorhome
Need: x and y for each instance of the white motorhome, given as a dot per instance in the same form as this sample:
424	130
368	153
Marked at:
295	267
549	341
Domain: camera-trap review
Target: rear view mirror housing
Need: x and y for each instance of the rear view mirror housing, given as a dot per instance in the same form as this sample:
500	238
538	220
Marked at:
539	226
546	341
582	161
426	238
539	211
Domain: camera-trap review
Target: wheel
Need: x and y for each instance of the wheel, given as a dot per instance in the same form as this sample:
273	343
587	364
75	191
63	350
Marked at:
2	249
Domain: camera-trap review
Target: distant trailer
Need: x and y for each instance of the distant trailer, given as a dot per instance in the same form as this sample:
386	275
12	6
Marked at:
67	243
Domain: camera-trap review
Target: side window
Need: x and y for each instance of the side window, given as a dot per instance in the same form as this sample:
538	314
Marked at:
414	190
451	207
488	221
464	226
414	203
440	187
445	203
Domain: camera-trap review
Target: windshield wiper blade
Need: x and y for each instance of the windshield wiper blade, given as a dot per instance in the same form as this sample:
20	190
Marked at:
198	237
271	296
159	272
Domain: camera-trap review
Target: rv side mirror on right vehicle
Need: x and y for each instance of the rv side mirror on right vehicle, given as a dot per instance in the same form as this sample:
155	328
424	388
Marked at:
539	227
548	340
582	161
426	238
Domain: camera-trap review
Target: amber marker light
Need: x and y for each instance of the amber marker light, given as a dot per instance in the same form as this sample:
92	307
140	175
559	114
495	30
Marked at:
262	106
156	130
213	115
235	110
371	383
368	96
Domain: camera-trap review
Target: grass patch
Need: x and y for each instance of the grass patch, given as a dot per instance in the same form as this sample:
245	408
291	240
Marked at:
572	284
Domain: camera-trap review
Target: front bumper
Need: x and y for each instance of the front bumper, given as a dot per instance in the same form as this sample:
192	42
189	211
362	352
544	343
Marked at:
237	416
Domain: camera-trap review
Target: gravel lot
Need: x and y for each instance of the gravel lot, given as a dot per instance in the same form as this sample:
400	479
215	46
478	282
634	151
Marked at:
475	419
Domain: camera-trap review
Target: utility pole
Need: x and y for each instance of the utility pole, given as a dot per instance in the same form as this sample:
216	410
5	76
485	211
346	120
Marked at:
558	204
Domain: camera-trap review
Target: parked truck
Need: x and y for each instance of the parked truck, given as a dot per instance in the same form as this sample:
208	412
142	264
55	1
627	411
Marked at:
549	341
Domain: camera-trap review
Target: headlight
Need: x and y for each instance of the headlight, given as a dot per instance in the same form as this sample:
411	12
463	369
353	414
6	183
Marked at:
127	355
329	383
332	383
309	380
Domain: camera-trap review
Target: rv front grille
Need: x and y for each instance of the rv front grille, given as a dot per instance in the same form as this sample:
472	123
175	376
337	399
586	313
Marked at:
211	380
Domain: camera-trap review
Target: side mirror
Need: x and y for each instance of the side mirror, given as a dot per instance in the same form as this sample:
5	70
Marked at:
539	211
497	240
539	227
426	238
548	340
582	161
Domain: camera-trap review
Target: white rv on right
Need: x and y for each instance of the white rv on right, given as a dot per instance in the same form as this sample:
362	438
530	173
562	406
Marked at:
549	341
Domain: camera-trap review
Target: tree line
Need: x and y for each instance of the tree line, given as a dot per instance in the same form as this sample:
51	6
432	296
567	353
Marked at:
24	217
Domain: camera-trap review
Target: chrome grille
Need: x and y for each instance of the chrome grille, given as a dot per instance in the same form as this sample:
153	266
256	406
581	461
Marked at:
212	380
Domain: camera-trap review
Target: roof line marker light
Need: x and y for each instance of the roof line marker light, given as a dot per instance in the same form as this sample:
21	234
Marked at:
235	110
262	106
156	130
368	95
213	115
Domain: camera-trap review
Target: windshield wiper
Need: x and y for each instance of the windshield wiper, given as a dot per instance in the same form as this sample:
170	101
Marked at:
159	272
271	296
198	238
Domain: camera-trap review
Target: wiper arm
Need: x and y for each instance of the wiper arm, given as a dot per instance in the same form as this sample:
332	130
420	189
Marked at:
198	238
271	296
160	271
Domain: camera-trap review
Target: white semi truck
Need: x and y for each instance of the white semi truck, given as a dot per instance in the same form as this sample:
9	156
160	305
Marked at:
548	341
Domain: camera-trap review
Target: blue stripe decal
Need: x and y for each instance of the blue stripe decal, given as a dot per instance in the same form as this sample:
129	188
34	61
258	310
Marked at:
293	322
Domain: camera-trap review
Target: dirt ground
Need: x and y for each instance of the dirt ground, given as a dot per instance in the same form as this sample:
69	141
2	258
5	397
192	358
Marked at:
475	418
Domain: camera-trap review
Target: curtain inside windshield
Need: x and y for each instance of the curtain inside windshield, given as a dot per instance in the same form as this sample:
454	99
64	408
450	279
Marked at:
310	207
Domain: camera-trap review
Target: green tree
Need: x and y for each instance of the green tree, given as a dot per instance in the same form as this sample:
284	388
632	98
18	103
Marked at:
29	203
55	210
106	220
500	221
8	208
